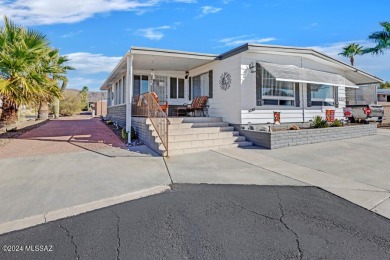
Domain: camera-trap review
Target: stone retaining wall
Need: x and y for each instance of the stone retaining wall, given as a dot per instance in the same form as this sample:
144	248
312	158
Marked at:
117	114
274	140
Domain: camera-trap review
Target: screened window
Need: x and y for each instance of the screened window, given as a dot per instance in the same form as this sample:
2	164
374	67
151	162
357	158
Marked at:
176	88
322	95
141	84
200	85
278	93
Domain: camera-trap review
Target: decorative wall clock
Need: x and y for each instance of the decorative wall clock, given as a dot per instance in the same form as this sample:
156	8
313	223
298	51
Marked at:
225	80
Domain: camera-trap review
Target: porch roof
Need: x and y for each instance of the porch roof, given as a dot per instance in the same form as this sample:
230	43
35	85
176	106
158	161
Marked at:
158	60
293	73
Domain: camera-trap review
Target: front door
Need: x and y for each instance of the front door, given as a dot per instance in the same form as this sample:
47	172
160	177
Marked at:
159	86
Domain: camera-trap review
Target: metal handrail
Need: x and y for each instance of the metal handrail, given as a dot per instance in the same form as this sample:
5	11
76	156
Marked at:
146	105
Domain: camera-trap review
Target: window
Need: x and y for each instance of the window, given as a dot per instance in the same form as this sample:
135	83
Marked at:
321	95
200	85
277	93
141	84
176	88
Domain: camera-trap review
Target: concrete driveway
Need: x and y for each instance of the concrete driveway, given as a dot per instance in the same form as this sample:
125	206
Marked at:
74	165
355	169
70	162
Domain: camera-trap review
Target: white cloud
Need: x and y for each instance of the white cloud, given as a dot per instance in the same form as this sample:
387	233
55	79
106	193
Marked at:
378	65
90	63
71	34
209	10
242	39
38	12
153	33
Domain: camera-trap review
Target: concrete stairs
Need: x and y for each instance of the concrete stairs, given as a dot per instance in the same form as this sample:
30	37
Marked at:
195	134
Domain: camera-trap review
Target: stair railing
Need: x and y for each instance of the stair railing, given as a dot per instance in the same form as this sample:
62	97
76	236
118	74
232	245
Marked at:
146	105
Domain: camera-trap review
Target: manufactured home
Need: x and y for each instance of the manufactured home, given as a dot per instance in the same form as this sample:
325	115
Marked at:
243	86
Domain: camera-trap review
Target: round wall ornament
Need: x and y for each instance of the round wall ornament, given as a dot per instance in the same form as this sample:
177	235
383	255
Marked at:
225	80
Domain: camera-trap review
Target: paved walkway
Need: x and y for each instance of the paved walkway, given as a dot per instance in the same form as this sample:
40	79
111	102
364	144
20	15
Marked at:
49	172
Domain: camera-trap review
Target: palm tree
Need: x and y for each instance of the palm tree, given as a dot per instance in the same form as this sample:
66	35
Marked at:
32	69
55	68
350	51
381	38
21	51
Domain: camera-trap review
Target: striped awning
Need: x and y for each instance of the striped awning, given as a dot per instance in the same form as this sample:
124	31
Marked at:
293	73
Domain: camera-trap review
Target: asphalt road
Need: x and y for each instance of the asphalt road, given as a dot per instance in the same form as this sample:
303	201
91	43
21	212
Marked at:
213	222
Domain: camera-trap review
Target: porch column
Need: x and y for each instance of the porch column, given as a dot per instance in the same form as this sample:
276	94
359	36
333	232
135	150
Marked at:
129	94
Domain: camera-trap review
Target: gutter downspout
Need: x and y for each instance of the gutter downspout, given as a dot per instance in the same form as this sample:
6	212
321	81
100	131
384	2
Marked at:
129	93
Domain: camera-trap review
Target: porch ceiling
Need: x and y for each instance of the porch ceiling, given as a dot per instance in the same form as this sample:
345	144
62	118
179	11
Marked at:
159	60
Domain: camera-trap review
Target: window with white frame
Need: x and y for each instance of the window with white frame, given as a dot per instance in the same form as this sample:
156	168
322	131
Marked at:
200	85
321	95
141	84
176	88
278	93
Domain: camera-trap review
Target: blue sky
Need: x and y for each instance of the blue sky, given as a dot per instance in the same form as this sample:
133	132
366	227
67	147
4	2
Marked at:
95	34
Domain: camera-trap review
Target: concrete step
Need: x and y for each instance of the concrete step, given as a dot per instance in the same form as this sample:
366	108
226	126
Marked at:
205	143
197	125
200	130
178	120
215	147
201	136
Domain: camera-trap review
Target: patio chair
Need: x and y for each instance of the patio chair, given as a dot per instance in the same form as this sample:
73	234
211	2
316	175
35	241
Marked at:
199	103
163	105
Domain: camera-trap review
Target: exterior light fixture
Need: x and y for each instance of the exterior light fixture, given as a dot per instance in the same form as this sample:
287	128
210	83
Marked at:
252	67
187	74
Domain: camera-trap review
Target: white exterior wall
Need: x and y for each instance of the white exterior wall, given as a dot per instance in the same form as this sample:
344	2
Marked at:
225	104
264	114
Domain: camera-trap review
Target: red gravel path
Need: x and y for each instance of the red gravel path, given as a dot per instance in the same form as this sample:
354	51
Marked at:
73	134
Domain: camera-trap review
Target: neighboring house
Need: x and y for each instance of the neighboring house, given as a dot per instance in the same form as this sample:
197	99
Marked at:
384	100
383	95
244	85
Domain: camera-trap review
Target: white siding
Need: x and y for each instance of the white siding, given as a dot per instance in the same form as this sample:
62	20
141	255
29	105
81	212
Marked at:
225	104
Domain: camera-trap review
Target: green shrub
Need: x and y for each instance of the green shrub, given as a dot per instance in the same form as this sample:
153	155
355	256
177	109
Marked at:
134	135
125	135
336	123
70	103
319	122
109	122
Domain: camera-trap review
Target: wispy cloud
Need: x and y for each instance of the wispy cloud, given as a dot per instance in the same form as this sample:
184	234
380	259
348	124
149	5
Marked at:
90	63
209	10
153	33
44	12
242	39
378	65
310	26
71	34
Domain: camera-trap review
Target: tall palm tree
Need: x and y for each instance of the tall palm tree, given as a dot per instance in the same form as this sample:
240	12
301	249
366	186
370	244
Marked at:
33	70
55	68
21	53
381	38
350	51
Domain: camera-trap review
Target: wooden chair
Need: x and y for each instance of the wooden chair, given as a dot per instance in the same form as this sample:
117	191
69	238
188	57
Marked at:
199	103
163	105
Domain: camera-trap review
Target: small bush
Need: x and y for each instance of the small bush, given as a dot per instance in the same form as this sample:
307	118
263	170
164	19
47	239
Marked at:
109	122
319	122
336	123
125	135
294	127
70	103
134	135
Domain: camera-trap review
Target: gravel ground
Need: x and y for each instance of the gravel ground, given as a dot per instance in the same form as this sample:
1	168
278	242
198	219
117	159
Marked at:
23	127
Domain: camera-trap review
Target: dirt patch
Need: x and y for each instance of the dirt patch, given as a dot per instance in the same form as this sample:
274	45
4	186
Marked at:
21	128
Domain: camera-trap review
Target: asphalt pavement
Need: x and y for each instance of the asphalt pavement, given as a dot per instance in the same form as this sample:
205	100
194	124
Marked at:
212	222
